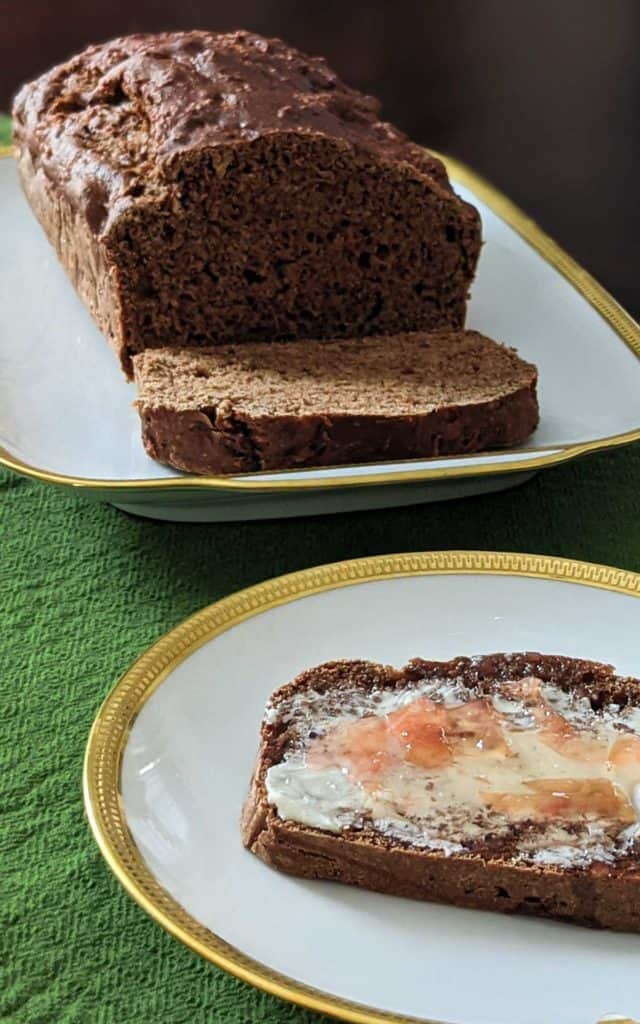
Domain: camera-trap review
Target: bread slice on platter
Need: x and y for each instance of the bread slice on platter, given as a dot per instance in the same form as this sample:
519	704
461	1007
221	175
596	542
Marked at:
243	408
507	782
203	187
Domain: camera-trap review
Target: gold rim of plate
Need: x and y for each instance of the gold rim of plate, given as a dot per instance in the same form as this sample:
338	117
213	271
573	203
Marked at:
539	458
110	732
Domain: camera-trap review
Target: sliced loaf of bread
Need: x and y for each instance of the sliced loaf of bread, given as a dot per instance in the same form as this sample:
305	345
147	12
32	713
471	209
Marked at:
250	407
204	187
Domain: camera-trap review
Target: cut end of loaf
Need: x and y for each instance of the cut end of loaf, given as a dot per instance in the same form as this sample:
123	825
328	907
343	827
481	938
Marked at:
242	408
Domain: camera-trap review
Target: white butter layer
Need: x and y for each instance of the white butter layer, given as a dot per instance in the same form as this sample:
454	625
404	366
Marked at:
321	799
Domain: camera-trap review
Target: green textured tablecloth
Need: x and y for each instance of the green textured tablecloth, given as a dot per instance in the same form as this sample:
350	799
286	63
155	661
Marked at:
84	589
5	130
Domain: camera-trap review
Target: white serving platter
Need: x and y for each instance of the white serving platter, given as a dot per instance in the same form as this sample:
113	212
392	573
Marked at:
66	412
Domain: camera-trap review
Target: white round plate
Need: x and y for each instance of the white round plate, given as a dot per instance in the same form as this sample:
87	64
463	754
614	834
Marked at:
171	752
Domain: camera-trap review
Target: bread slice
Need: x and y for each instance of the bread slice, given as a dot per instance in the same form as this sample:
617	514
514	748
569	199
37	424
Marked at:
507	782
243	408
204	187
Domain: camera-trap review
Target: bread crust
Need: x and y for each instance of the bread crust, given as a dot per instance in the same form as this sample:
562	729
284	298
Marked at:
84	257
599	895
193	442
198	429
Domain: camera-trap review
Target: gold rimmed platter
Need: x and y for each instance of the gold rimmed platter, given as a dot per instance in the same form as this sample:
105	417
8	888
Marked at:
86	434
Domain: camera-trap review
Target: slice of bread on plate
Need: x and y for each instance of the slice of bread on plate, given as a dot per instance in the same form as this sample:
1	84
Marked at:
507	782
245	408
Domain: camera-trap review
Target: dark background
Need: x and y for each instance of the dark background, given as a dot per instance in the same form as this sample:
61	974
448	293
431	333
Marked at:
541	96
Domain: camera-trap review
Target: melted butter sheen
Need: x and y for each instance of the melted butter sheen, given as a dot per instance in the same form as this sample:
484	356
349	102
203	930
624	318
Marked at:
440	772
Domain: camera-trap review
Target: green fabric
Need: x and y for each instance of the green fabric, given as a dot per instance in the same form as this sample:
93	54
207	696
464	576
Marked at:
84	589
5	130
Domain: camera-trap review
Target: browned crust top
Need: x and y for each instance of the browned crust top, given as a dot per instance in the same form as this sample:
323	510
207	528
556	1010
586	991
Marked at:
120	114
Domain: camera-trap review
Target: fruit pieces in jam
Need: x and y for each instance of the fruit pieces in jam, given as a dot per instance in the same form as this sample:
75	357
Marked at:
511	767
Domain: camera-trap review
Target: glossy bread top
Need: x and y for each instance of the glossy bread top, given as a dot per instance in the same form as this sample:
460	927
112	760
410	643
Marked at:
111	121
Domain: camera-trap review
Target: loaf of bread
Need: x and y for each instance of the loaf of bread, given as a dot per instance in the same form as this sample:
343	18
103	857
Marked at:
203	188
505	782
242	408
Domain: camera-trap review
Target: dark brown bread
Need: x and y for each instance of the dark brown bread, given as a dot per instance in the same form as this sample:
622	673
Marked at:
235	409
202	188
487	875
